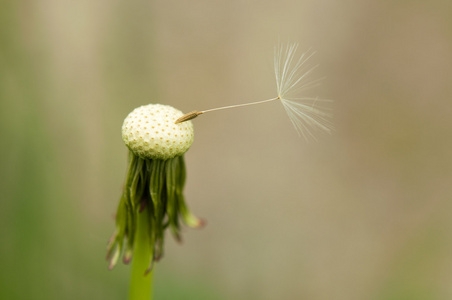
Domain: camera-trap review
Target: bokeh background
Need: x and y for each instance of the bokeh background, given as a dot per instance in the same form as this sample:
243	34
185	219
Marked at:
365	213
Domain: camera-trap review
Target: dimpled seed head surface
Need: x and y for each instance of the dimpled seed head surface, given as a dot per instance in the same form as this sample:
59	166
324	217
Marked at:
149	132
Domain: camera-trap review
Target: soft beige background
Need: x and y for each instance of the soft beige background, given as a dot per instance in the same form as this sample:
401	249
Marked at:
363	214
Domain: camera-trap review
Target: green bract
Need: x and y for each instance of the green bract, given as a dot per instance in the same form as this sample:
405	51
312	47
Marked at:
155	180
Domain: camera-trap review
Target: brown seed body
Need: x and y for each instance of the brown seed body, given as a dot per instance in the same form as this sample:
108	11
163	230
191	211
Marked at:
189	116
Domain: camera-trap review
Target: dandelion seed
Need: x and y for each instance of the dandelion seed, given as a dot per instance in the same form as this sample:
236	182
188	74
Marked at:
291	72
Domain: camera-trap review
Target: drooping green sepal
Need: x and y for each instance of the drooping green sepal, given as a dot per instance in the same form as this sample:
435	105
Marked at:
156	185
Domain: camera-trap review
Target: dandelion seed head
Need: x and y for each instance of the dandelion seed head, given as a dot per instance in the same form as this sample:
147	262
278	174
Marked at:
143	140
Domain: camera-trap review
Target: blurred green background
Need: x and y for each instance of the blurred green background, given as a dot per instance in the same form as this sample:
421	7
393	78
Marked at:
363	214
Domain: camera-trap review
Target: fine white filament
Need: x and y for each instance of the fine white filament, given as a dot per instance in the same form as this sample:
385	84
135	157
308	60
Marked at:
291	72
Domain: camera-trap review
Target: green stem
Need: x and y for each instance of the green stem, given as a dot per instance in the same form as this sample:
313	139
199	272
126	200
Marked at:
141	283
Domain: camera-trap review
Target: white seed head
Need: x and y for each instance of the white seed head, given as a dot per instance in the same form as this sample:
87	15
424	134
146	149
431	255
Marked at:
150	132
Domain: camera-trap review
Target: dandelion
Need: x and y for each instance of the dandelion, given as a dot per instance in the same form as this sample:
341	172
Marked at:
152	199
158	136
291	72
